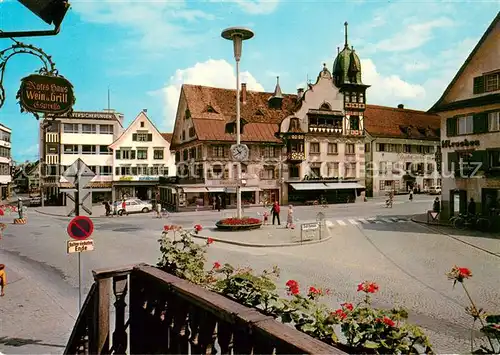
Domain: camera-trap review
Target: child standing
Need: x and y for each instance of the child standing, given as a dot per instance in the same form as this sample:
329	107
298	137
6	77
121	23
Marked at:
289	218
266	217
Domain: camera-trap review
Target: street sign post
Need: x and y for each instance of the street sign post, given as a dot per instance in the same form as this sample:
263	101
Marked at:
309	230
79	174
80	229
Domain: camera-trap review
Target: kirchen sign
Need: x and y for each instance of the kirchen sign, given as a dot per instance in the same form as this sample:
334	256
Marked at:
46	94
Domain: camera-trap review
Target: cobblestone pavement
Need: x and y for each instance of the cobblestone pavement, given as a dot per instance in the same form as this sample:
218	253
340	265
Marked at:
407	260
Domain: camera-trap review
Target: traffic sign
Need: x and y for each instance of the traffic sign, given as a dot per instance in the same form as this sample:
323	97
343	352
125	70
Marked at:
77	246
80	228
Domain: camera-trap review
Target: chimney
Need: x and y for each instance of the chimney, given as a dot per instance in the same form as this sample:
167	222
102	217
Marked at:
244	92
401	106
145	110
300	92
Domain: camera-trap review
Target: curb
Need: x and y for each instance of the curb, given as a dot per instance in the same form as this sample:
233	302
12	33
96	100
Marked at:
61	215
413	219
260	245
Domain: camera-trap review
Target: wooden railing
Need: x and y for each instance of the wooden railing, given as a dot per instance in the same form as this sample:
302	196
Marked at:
173	316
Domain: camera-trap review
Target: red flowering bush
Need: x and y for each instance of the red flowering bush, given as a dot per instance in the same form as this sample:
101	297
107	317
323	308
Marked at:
239	221
490	324
209	241
197	228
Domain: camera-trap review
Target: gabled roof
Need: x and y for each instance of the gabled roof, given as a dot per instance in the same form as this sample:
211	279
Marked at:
495	21
167	136
142	114
389	122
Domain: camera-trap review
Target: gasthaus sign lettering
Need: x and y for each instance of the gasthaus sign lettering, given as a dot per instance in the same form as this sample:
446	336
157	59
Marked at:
46	94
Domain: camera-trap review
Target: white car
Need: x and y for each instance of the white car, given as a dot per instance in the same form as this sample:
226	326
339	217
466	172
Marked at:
134	205
435	190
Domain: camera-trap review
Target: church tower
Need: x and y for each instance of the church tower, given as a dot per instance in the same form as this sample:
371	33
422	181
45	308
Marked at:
347	77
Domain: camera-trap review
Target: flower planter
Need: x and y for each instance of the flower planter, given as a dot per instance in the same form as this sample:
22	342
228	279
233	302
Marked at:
238	224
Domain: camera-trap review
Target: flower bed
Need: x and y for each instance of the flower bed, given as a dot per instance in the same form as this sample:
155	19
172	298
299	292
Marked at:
245	223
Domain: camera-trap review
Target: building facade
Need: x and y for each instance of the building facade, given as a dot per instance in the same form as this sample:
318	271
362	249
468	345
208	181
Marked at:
84	135
401	147
204	131
5	162
470	130
140	155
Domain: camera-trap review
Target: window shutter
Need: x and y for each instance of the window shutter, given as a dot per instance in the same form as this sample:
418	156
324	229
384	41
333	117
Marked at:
480	124
150	137
117	170
452	158
117	154
451	126
132	154
478	85
134	137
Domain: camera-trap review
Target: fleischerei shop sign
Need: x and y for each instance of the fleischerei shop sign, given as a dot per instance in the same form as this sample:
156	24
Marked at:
46	94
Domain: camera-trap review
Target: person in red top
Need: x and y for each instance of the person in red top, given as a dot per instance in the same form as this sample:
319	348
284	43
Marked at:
275	210
124	207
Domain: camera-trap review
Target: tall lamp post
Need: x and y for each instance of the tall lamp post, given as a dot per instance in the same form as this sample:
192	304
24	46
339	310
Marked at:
239	152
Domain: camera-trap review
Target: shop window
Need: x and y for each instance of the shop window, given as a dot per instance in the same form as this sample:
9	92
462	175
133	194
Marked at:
332	148
350	148
314	148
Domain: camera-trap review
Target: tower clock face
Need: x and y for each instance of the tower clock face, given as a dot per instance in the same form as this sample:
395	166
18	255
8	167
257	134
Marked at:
239	152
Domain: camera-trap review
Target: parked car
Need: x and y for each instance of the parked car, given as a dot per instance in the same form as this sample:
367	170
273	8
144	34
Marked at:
435	190
134	205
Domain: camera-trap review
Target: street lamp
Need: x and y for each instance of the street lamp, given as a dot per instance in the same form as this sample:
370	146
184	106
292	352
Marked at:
239	151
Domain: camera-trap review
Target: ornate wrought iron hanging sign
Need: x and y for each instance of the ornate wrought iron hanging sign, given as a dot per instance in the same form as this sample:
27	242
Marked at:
44	92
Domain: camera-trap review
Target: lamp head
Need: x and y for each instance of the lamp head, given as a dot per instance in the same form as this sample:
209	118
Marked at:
237	35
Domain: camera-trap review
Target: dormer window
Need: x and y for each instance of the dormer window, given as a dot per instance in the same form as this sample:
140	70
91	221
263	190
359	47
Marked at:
210	109
231	127
259	112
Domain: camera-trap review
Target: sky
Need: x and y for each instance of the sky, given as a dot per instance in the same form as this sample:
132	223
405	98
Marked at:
143	51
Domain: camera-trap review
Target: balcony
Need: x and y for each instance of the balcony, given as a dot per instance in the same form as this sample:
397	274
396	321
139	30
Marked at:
296	156
168	315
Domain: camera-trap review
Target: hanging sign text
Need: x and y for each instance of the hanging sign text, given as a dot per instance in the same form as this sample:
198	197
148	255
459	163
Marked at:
46	94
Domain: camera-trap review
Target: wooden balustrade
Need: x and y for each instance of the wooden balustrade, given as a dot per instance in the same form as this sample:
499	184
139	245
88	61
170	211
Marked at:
169	315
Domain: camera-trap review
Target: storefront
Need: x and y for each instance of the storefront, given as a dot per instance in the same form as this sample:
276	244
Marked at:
141	187
332	192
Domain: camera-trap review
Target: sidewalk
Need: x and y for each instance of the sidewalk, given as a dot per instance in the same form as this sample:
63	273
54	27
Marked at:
487	242
31	321
268	236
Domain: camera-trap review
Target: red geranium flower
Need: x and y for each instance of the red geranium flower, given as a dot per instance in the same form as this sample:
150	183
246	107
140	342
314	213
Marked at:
216	265
209	241
240	221
166	228
459	273
293	287
347	306
339	314
315	291
368	287
198	227
386	320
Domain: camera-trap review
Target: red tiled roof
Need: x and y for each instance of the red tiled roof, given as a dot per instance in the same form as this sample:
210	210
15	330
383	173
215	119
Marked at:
215	130
262	121
167	137
382	121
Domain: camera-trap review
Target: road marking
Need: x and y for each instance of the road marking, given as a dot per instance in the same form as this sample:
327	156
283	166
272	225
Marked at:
352	221
341	222
362	220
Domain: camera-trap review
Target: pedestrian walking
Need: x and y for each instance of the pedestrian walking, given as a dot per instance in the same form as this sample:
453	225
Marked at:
107	207
275	210
158	209
3	280
411	195
289	218
124	207
436	206
471	208
219	203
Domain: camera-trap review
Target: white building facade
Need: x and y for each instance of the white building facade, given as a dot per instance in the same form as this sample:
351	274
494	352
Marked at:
141	154
84	135
5	161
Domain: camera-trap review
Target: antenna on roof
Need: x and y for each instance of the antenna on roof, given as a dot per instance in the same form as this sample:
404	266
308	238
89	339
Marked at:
109	99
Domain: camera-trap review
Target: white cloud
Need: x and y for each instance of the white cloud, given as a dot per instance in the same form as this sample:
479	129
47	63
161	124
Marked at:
413	36
154	24
388	90
254	7
215	73
416	66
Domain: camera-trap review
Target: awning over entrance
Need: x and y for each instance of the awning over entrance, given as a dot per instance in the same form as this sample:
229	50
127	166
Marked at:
194	189
313	186
343	186
216	189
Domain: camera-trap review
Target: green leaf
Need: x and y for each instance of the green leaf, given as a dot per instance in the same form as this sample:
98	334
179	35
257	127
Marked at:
371	345
494	318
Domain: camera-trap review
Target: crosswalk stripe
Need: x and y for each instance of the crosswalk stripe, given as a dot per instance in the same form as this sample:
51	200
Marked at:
341	222
352	221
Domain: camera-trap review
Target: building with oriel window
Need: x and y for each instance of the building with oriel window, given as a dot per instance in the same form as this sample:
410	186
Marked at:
470	131
84	135
141	154
5	162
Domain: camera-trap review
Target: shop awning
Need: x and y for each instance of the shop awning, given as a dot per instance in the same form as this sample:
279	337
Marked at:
216	189
194	189
232	190
312	186
343	186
